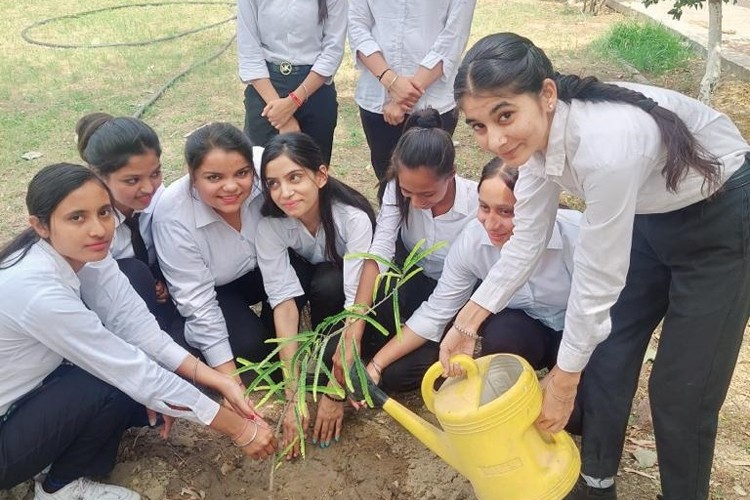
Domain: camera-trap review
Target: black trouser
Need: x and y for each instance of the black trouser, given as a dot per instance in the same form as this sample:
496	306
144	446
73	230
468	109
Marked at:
143	281
74	422
247	332
512	331
323	284
690	267
382	138
317	117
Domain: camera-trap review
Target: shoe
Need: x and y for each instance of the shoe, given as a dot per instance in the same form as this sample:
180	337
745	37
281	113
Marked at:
85	489
582	491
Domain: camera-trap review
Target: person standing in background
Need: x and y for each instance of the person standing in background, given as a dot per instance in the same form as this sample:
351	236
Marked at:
410	51
288	61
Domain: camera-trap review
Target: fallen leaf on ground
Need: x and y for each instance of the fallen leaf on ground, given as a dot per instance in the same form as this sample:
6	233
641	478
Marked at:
31	155
645	458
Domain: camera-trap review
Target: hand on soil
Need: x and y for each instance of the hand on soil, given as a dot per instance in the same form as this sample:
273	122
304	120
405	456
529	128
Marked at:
328	422
290	431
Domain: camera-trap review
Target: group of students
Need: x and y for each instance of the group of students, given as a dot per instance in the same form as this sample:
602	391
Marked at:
665	235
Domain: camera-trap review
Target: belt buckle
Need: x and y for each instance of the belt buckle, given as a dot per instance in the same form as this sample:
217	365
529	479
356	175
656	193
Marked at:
285	68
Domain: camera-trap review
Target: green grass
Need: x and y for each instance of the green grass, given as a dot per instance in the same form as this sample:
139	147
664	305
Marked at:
649	47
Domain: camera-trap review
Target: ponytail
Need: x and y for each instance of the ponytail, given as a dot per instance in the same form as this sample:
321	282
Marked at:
683	151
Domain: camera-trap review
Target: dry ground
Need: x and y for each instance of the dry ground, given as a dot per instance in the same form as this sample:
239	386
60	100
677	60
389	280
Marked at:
375	458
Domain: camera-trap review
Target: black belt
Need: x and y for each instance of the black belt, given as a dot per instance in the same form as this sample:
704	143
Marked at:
286	68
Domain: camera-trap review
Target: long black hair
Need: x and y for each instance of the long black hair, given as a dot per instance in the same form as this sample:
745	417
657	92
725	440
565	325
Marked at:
47	189
106	142
322	11
303	151
496	168
423	144
511	62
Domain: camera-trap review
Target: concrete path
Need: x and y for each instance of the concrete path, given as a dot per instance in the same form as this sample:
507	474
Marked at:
693	25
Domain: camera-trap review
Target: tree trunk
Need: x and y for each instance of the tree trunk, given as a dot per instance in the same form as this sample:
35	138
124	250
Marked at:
713	63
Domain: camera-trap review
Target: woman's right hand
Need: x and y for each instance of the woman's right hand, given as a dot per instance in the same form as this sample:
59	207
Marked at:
404	91
291	125
353	344
262	445
291	431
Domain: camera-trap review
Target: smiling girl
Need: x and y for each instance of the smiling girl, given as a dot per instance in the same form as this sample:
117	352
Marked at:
125	152
312	221
424	199
532	324
60	288
665	236
205	230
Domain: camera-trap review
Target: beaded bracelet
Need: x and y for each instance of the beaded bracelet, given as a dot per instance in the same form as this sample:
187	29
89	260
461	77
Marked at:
464	331
255	433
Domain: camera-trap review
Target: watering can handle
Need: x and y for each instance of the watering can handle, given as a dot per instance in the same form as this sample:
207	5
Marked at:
436	370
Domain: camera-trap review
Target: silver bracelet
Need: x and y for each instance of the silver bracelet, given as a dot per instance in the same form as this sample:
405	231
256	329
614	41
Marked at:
255	433
464	331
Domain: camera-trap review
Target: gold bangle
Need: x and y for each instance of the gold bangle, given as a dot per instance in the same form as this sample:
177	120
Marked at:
307	92
244	428
388	87
252	438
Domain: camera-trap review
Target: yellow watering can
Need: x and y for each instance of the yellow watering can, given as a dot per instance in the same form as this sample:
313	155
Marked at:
488	429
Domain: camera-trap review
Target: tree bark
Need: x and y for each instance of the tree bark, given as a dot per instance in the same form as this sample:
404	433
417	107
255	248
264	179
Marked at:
713	63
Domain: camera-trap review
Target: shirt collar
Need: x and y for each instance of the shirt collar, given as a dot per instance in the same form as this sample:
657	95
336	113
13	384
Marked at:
461	202
66	273
554	161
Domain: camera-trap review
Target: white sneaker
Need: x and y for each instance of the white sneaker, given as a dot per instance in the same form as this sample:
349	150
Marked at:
85	489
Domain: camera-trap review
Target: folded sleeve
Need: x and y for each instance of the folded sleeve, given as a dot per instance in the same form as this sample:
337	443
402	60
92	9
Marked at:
279	277
334	33
252	65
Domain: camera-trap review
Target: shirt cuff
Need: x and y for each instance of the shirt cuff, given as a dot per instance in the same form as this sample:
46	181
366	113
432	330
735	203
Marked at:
570	359
431	59
205	409
173	356
293	294
487	297
424	328
367	48
252	72
219	353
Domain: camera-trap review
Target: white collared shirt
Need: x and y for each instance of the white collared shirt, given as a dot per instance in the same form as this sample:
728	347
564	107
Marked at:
409	34
543	297
610	155
49	313
199	251
277	234
122	245
270	30
422	225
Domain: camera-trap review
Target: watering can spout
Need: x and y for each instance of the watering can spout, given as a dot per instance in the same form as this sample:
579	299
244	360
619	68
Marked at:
432	437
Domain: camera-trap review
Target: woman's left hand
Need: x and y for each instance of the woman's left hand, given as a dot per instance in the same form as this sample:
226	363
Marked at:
236	400
559	388
162	293
279	111
328	421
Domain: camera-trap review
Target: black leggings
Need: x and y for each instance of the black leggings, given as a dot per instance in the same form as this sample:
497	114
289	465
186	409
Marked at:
73	421
512	331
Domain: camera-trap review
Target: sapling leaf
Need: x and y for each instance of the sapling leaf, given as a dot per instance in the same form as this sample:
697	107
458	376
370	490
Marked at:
409	276
377	258
362	375
409	260
396	312
424	253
